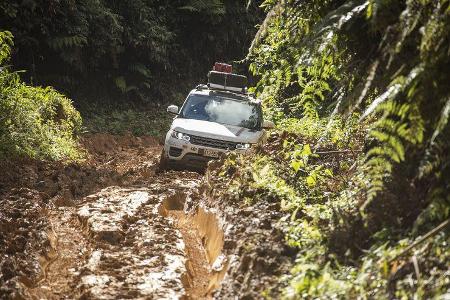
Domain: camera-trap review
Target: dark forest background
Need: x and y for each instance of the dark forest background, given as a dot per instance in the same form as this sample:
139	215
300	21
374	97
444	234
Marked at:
125	52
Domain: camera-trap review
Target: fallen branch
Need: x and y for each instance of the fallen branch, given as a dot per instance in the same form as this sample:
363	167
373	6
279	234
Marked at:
431	233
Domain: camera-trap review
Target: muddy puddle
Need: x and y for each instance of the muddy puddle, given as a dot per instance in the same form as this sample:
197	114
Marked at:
203	235
137	251
136	243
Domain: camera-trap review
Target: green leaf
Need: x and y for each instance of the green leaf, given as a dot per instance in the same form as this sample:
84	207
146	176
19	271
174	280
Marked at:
121	83
297	164
311	181
306	150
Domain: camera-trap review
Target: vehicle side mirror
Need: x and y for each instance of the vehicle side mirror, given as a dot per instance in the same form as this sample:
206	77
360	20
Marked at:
172	109
268	125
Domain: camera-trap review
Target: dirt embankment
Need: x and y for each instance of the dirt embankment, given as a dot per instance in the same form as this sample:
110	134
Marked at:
254	248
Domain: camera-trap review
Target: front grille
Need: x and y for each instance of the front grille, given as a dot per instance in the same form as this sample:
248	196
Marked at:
175	151
219	144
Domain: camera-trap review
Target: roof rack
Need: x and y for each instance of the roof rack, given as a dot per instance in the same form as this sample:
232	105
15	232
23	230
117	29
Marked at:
227	81
241	96
221	79
201	87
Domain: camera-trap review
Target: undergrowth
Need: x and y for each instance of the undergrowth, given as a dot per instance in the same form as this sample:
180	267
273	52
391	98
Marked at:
154	122
35	122
359	92
340	253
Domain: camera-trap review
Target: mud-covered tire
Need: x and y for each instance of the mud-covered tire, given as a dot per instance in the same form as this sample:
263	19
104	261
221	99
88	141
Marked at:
163	162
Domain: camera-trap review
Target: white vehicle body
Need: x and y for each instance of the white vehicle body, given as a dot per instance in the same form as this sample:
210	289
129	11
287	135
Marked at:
192	141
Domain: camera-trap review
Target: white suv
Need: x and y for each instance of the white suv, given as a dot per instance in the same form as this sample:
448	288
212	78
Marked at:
210	123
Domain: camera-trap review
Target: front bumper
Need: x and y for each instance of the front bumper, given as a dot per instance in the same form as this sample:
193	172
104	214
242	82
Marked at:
184	153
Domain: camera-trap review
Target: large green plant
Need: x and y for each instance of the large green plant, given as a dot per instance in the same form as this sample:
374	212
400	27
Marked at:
388	63
312	62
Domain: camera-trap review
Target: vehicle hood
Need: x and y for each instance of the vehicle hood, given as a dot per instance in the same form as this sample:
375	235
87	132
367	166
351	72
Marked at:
216	130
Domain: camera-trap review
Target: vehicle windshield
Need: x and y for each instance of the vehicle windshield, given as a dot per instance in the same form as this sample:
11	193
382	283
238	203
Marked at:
222	110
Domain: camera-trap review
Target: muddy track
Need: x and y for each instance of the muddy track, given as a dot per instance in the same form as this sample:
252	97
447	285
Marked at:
113	228
129	236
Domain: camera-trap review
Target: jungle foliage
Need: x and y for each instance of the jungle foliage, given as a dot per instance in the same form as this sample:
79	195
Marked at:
139	50
360	93
35	122
120	60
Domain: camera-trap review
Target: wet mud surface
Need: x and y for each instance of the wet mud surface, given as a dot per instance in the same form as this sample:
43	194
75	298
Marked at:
113	227
23	240
138	252
96	230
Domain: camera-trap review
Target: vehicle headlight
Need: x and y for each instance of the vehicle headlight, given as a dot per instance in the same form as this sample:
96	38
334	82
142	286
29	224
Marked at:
243	146
181	136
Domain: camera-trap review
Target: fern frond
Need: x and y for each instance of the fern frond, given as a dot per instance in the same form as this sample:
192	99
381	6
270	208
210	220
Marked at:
65	42
211	7
435	154
398	124
394	90
442	122
6	41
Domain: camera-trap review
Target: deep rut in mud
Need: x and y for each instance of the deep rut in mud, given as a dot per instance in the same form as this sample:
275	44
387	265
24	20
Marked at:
59	264
203	237
132	239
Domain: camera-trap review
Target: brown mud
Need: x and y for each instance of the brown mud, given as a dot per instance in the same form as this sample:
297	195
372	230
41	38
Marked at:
254	247
112	227
101	229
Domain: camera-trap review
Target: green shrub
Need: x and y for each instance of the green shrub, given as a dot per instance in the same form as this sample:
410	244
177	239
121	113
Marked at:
34	122
360	93
152	121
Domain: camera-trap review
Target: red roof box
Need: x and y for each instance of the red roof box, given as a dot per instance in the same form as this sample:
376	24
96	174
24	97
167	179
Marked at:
221	67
